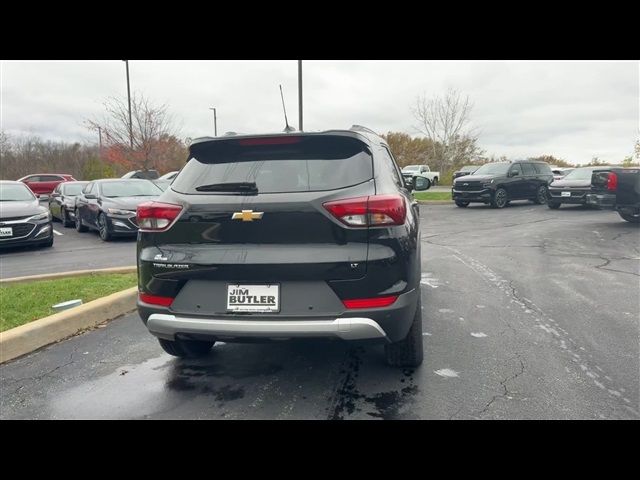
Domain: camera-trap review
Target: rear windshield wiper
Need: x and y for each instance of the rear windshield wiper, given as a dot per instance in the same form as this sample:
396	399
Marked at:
248	187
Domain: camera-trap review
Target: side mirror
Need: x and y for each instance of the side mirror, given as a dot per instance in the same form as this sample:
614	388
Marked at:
514	173
90	196
55	195
421	184
408	182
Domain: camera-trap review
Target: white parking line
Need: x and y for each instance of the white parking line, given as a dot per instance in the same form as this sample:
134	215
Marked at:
57	232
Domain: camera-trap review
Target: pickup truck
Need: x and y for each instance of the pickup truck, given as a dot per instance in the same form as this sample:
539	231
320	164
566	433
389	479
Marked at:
411	171
619	189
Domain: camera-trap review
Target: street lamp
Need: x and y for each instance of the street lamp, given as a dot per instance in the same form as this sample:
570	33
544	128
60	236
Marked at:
129	98
215	121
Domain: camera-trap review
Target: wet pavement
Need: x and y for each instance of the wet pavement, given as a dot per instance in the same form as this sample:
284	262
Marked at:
528	313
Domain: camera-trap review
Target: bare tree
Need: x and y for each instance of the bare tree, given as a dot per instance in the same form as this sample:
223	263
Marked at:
444	120
150	123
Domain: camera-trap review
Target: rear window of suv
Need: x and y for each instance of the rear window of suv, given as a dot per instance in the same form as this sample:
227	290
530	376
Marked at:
277	164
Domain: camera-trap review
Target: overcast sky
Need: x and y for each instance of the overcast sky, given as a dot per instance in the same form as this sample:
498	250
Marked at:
573	110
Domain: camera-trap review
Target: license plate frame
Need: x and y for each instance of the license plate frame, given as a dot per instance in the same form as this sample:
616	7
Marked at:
565	194
249	293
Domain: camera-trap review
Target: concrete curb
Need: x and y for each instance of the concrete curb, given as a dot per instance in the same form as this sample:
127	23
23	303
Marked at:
75	273
435	202
26	338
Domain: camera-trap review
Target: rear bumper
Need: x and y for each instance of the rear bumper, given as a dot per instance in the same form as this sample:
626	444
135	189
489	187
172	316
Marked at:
390	323
167	326
601	200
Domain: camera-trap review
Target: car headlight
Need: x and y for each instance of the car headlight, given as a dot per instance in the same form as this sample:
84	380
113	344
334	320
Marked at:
40	216
487	184
117	211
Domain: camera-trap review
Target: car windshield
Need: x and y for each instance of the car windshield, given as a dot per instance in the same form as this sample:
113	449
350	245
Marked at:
131	188
73	189
579	174
411	168
493	169
15	193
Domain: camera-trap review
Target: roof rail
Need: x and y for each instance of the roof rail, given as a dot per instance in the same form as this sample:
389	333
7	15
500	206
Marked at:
360	128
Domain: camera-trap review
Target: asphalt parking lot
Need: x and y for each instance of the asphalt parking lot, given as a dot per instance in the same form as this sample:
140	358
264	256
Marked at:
71	251
528	313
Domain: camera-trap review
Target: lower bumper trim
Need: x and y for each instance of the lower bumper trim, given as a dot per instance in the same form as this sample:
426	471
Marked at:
167	326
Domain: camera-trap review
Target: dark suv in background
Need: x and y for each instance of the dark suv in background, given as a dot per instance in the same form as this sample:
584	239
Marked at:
498	183
282	236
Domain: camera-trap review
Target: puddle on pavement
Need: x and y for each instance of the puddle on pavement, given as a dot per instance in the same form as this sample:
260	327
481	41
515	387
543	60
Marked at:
157	385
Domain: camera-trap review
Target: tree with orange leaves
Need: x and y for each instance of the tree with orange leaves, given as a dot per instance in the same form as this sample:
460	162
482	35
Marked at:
153	133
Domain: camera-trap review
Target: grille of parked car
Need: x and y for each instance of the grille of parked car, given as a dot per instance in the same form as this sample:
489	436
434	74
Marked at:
468	185
22	229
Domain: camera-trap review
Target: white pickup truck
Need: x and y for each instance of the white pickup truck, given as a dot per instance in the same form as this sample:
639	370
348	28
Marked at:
421	171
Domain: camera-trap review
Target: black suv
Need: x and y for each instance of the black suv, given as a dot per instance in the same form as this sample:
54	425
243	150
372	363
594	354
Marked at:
271	237
498	183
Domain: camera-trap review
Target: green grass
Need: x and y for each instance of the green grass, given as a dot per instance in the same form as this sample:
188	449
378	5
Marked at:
22	303
432	195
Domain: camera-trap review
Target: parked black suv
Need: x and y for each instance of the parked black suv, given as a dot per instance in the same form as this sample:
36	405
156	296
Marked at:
280	236
498	183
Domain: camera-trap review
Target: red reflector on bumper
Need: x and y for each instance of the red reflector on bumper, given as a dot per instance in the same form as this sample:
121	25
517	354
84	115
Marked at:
155	299
370	302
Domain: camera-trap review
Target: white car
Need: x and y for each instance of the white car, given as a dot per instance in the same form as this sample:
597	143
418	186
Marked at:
421	171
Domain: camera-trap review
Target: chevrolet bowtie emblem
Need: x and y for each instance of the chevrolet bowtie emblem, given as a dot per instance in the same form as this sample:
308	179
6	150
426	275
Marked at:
247	215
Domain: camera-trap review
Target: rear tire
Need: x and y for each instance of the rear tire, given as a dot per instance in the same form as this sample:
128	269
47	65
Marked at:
500	198
435	181
462	204
408	352
553	205
79	227
629	217
185	348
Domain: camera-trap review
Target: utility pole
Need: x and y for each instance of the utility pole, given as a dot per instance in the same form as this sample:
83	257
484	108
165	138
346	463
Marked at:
300	95
100	139
129	97
215	121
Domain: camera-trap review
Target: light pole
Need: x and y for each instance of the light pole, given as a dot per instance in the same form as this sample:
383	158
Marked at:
215	121
129	98
100	140
300	95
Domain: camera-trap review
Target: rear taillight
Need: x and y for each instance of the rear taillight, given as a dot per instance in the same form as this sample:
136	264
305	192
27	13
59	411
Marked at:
612	182
370	302
157	216
372	211
155	299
